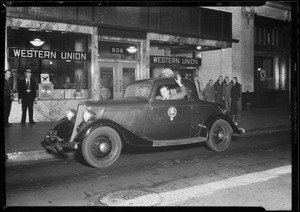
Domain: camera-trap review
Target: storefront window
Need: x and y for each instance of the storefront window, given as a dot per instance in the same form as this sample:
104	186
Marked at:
64	57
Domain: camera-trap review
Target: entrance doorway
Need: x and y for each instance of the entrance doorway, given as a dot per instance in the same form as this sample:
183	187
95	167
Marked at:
263	76
114	77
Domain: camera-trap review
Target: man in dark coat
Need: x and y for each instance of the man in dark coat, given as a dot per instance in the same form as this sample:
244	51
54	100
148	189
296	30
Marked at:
227	92
218	86
235	95
209	92
27	95
7	96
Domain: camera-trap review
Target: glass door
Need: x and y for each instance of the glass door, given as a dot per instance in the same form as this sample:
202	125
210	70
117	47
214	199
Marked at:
128	74
114	77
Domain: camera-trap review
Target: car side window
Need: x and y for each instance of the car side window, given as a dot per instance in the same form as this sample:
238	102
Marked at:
174	89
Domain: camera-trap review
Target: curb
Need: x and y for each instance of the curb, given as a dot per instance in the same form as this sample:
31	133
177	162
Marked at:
16	158
266	130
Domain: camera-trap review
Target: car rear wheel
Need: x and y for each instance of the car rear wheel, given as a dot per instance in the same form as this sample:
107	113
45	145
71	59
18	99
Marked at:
102	147
219	136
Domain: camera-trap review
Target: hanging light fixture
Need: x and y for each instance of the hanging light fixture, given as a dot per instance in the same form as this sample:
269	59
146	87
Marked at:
131	49
199	52
37	42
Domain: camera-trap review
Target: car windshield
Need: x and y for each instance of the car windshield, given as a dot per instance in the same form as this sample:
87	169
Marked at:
138	90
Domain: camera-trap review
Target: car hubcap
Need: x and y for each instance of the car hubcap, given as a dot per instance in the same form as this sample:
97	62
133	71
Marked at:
218	135
104	147
221	135
101	147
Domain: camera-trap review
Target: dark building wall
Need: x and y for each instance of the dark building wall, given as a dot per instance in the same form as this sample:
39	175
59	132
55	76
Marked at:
272	52
185	21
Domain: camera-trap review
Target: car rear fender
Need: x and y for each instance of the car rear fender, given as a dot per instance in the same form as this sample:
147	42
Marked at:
211	120
126	136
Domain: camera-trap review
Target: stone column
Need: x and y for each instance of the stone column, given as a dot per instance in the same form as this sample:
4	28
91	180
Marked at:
95	84
145	59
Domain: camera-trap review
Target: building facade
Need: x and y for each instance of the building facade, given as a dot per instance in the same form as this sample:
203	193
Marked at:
92	53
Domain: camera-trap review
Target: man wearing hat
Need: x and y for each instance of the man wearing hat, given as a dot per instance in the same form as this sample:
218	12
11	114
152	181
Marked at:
7	96
27	95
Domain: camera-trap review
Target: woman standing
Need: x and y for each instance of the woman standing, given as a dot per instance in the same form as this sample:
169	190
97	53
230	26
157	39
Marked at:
235	95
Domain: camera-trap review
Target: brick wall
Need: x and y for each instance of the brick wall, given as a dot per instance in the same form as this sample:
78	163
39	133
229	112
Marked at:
237	61
214	64
225	62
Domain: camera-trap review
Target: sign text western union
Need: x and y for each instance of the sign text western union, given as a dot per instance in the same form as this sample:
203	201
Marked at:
175	60
48	54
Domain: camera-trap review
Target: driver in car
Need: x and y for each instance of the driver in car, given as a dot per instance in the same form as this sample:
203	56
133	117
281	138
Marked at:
166	93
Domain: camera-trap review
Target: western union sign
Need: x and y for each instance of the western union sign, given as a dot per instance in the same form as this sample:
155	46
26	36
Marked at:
175	60
49	54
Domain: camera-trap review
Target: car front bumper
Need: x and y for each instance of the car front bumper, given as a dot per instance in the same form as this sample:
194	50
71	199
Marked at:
60	135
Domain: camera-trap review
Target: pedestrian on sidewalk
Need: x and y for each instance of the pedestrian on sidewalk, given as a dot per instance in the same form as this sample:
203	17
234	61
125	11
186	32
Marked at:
7	96
27	96
218	86
227	93
235	95
209	92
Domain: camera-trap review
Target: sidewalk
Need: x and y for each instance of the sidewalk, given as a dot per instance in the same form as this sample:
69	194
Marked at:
23	142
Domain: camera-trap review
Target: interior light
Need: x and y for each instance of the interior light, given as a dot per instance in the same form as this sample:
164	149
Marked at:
34	29
37	42
131	49
199	54
198	47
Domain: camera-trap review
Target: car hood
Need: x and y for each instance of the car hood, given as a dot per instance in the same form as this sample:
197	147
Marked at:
123	112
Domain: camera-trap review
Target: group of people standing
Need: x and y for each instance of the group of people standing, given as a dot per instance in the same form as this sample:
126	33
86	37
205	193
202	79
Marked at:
26	96
225	93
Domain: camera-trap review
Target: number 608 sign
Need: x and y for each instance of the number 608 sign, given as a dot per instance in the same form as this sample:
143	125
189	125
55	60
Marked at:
117	50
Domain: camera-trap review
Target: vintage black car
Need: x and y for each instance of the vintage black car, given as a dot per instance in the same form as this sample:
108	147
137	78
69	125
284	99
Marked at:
100	129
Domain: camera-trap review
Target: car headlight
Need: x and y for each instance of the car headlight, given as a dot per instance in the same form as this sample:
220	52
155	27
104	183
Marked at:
88	115
71	114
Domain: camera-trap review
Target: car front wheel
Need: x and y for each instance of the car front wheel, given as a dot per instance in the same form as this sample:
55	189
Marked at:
102	147
219	136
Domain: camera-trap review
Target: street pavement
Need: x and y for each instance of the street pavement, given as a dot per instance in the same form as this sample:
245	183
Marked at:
23	142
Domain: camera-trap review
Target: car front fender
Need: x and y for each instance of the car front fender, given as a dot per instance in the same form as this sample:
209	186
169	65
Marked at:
126	136
214	117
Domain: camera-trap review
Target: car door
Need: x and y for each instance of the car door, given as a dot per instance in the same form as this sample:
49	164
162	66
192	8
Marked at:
168	120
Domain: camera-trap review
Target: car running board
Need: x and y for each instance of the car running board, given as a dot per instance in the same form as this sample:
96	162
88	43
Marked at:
157	143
